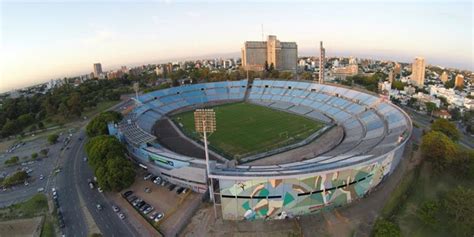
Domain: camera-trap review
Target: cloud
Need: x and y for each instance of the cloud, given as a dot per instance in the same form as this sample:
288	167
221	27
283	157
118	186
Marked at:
99	37
193	14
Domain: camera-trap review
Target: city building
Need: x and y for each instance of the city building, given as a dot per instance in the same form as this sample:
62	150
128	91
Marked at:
444	77
397	69
418	72
459	81
97	70
390	76
349	70
322	61
283	55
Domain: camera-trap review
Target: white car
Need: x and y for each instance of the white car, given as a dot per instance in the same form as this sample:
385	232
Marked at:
40	190
115	208
100	189
121	216
159	217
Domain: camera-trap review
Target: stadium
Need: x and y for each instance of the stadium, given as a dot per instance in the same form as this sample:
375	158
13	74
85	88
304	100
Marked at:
281	148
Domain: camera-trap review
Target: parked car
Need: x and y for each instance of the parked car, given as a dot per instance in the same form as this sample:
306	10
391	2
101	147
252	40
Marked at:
147	176
147	190
100	190
127	193
40	190
121	216
159	217
144	207
99	207
91	185
132	198
157	180
171	187
153	215
179	190
148	210
115	208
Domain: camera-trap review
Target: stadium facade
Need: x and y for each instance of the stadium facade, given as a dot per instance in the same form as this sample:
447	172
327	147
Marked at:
375	134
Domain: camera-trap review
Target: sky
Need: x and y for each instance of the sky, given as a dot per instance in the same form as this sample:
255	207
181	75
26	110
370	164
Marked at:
42	40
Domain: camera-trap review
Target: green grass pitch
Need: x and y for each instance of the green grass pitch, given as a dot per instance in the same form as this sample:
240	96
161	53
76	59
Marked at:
245	129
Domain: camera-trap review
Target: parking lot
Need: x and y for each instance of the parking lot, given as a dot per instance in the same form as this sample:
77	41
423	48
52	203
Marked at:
174	207
39	169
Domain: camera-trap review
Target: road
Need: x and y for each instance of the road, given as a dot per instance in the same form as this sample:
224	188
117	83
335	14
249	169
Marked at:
75	195
424	121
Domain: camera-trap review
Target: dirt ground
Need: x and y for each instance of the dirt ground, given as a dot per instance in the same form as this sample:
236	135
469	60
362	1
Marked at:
21	227
355	219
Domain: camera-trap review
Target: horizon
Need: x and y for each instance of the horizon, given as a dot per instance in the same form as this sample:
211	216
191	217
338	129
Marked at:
39	48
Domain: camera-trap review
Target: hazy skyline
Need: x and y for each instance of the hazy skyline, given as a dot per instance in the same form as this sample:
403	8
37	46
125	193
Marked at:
41	41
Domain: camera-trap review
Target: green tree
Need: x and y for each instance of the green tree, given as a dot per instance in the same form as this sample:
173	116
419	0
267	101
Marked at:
16	178
385	228
438	149
12	160
34	156
112	169
427	213
430	106
53	138
98	125
398	85
463	166
44	152
446	127
459	206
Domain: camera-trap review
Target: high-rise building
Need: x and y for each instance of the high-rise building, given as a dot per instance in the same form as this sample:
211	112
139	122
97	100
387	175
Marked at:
322	61
390	76
283	55
418	72
459	81
97	70
444	77
397	69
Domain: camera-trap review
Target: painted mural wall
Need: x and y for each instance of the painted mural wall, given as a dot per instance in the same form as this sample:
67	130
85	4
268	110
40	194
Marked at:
279	198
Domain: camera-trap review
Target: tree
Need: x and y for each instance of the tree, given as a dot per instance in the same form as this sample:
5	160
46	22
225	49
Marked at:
463	166
44	152
446	127
430	106
98	125
455	114
398	85
438	149
385	228
112	169
13	160
427	213
34	156
53	138
16	178
459	206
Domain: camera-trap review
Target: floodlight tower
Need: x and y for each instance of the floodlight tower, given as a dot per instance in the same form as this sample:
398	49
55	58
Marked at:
205	122
322	61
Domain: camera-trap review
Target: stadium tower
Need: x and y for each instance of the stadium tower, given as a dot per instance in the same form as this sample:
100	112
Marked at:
322	59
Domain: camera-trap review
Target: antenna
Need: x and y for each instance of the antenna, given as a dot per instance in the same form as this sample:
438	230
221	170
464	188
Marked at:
263	38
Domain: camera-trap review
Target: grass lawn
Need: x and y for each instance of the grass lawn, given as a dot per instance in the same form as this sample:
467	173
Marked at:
245	129
48	228
35	206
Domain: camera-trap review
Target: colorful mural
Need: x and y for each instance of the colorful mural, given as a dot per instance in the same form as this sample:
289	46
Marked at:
278	198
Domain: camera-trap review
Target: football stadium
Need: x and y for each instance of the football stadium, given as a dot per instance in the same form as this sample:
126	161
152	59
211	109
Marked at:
280	149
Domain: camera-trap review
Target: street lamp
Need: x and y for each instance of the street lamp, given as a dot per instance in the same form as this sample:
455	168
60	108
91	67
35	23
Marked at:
205	122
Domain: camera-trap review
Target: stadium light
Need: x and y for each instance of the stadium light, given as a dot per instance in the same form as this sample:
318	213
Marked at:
205	122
